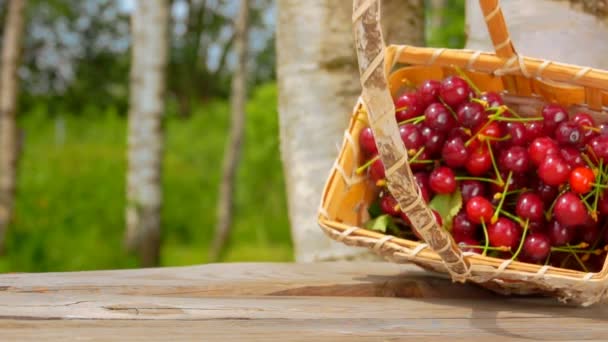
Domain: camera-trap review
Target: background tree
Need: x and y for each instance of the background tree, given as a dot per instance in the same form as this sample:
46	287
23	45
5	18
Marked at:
318	84
570	31
232	152
9	90
150	22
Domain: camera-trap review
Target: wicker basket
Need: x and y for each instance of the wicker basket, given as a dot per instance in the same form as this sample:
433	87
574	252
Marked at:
526	83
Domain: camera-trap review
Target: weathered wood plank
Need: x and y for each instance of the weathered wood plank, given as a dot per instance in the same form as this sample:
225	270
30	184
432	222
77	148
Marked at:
271	302
321	279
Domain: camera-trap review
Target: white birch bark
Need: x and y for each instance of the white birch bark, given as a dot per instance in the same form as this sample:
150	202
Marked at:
232	153
145	132
318	84
9	92
549	29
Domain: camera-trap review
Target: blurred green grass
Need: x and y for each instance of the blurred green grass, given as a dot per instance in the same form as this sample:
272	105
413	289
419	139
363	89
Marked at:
70	204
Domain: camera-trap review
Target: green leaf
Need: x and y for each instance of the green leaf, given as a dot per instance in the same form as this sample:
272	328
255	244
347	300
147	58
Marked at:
381	224
374	209
447	205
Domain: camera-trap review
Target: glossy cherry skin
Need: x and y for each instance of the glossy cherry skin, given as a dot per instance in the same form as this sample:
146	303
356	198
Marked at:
454	91
479	209
442	180
411	136
376	171
515	159
553	115
439	118
581	180
569	210
479	161
428	92
530	206
585	122
537	247
559	234
388	204
540	148
471	114
408	106
599	146
504	232
472	188
554	170
433	140
367	142
454	153
569	133
572	156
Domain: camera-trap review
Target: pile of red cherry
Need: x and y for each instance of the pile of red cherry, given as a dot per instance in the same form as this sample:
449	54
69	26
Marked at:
530	188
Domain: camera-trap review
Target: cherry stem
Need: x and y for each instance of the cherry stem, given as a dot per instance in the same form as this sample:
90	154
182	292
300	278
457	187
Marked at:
591	128
513	112
512	217
501	181
448	108
580	262
401	108
500	248
549	212
416	155
502	199
484	137
468	142
422	161
364	167
521	242
587	160
487	239
485	104
481	179
464	76
497	117
548	258
596	190
415	120
602	186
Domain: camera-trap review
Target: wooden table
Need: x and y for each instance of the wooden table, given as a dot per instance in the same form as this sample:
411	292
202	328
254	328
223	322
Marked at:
278	302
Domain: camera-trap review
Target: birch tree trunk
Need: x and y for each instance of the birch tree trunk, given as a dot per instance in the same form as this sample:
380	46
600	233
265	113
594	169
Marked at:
318	84
9	91
566	31
232	153
149	24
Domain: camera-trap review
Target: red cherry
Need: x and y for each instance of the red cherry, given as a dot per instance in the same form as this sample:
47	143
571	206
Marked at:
518	133
505	233
585	122
454	153
422	179
569	210
540	148
433	140
454	91
569	133
471	114
529	206
559	234
408	106
367	141
479	161
472	188
572	156
442	180
428	92
581	180
599	146
534	130
553	170
376	171
411	137
493	99
439	118
515	159
602	204
479	208
463	227
553	115
388	204
546	192
537	247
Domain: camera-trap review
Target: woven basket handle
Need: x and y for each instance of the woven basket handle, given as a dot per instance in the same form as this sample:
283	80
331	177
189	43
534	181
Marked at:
376	96
495	21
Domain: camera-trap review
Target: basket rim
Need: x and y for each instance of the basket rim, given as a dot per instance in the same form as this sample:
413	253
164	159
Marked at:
514	269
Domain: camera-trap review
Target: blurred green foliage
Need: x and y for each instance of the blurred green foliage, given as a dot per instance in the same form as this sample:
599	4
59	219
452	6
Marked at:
70	205
451	18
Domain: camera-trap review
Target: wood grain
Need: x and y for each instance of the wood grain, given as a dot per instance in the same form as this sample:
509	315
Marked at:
287	302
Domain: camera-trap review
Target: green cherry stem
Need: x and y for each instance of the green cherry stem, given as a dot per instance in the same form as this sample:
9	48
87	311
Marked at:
481	179
580	262
597	191
501	181
485	235
364	167
502	198
498	117
416	155
471	139
499	249
587	160
512	217
448	108
521	242
464	76
414	120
